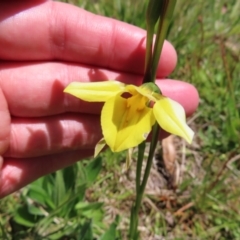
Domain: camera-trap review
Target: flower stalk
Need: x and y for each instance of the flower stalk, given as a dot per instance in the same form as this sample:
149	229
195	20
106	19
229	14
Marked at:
161	12
157	11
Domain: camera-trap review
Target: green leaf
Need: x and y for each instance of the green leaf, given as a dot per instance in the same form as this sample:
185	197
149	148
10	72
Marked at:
86	231
70	175
59	190
90	210
81	191
38	194
23	217
111	233
36	210
85	206
93	169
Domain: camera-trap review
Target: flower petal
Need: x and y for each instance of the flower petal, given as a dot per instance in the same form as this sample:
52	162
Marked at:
129	158
94	91
170	115
124	125
99	147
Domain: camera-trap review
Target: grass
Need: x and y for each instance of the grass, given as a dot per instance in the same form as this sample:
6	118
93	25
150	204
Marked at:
198	196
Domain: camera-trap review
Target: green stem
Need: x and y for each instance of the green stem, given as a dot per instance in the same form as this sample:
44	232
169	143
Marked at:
165	18
163	10
140	187
148	59
157	11
152	16
134	211
155	134
141	150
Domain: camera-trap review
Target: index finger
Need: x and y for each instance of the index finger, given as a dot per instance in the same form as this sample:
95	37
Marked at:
46	30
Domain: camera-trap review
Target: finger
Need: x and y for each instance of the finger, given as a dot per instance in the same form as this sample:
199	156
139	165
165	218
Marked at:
38	88
17	173
50	135
52	30
4	125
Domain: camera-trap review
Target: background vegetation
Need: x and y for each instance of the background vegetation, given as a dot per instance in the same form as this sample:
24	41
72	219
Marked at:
198	196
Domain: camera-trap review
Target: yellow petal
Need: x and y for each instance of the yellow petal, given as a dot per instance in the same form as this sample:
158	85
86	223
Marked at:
124	125
94	91
170	115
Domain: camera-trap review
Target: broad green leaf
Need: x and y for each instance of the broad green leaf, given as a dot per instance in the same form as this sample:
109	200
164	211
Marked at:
86	231
111	233
70	175
36	210
86	206
38	194
93	169
82	175
59	190
23	217
90	210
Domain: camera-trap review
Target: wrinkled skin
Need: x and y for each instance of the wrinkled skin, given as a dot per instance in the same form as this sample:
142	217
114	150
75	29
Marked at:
44	46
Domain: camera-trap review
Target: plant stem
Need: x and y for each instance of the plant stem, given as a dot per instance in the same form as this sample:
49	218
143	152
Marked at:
155	134
163	10
141	150
134	210
140	186
152	16
164	21
158	10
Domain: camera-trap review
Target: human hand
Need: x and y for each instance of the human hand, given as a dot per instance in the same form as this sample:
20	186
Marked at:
45	45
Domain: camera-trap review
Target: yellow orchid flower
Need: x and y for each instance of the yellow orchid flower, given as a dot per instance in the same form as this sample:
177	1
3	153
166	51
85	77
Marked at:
129	112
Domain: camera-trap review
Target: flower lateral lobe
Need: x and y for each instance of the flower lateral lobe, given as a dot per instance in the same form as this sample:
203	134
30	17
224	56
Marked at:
170	115
94	91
